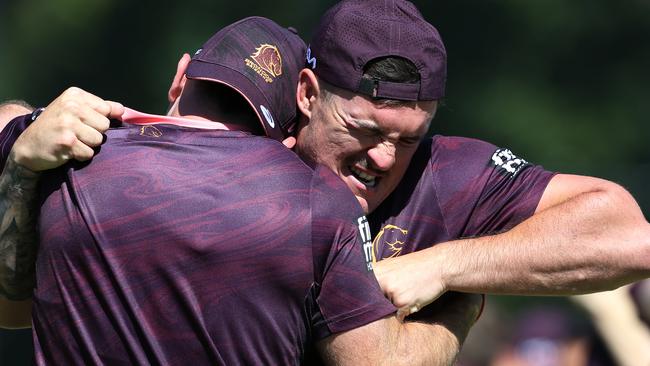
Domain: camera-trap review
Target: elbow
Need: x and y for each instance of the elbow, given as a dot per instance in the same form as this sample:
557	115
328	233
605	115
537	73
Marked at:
634	231
634	227
619	210
617	198
621	224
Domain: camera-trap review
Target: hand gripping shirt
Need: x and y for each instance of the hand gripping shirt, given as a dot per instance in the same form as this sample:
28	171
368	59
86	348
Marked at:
197	248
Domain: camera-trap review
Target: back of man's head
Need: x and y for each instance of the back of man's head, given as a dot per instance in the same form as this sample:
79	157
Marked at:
380	48
260	60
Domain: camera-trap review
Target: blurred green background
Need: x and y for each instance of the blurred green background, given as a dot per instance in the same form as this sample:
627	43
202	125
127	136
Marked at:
561	83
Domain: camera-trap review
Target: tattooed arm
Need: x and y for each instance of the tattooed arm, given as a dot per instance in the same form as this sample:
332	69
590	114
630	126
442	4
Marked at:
18	243
69	128
16	261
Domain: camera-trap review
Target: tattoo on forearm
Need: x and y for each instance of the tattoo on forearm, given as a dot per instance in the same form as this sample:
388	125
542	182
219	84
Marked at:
18	231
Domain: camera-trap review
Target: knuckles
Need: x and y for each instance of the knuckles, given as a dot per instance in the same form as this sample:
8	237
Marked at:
66	140
73	92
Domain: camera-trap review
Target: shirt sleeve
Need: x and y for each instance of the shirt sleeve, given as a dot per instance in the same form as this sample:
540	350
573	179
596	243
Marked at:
484	189
10	133
346	293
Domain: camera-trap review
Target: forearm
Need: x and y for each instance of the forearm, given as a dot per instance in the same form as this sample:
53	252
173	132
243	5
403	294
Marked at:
595	241
446	322
18	231
410	343
433	338
425	344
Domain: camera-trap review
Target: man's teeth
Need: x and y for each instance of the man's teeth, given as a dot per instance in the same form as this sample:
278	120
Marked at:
366	179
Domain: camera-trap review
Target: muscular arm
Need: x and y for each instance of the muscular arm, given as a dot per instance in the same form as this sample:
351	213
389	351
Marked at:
69	128
18	243
388	341
587	235
16	261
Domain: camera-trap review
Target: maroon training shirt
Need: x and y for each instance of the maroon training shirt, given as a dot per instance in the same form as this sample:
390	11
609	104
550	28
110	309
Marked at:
197	247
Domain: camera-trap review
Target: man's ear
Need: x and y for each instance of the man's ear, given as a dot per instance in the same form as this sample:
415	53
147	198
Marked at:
307	91
179	79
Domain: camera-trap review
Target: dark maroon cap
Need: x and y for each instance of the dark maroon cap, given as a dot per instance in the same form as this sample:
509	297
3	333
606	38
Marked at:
354	32
260	60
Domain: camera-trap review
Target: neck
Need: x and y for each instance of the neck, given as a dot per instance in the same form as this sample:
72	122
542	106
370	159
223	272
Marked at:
175	114
192	109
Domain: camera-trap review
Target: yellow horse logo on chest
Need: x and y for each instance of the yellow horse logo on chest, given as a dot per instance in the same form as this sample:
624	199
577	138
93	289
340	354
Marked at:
389	242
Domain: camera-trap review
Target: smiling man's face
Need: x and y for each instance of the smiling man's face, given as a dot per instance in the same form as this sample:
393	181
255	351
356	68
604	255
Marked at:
368	145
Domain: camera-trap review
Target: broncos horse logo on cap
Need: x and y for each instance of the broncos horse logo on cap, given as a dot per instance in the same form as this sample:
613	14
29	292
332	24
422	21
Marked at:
266	61
269	59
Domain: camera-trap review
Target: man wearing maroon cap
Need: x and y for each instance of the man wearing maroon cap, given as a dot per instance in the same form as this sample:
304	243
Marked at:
377	70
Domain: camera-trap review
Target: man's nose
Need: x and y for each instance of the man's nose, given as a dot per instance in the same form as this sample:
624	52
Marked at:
382	155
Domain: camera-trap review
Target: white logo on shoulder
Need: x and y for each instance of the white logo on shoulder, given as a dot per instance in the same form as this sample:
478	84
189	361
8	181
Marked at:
364	231
507	162
267	116
311	60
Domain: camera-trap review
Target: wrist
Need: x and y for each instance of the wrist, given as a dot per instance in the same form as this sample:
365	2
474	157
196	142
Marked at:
16	167
18	162
441	259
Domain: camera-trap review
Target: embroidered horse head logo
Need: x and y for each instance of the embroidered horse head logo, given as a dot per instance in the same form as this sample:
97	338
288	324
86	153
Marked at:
268	58
388	243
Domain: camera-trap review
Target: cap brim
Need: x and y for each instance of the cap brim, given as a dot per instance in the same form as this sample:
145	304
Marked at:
198	70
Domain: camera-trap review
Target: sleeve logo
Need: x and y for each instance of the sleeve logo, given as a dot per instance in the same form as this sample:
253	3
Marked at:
366	238
507	162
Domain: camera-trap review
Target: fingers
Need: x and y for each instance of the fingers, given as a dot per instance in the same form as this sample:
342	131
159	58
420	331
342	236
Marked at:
86	115
117	110
69	128
81	151
405	311
106	108
88	135
87	108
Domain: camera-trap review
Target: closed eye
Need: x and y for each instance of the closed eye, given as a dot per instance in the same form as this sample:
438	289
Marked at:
410	141
364	128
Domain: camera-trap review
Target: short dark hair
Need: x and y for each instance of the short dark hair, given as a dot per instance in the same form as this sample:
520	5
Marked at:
393	69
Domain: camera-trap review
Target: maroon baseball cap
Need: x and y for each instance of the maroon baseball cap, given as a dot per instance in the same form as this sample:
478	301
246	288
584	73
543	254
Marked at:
354	32
261	61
